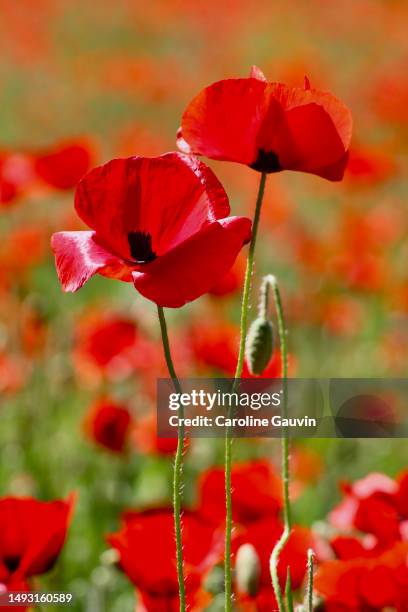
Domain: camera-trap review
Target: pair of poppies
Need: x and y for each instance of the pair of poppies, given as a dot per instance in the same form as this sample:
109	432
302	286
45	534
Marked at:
163	223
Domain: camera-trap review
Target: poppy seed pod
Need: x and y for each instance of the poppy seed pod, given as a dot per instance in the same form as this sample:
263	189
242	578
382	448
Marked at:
259	346
248	570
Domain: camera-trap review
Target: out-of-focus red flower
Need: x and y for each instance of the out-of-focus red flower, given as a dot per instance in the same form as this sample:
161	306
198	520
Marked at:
147	552
108	424
368	167
256	493
401	494
13	373
263	601
16	176
365	584
8	192
144	436
375	505
152	220
34	330
215	347
269	126
341	315
362	271
109	346
22	249
103	339
32	534
63	166
263	535
365	231
390	94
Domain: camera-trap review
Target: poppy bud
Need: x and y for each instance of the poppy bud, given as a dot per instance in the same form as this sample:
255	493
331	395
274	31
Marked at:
259	346
248	570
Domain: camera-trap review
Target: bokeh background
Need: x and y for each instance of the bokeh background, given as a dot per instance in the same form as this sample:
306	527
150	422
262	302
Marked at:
113	78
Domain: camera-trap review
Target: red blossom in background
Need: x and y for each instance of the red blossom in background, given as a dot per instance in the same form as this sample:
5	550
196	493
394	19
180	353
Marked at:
371	569
368	167
215	347
145	439
63	166
110	346
105	338
269	126
108	424
147	555
362	584
256	493
152	221
263	535
375	505
32	534
16	175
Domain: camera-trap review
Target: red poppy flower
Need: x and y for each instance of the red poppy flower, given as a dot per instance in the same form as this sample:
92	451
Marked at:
365	584
346	548
145	437
109	345
8	192
401	494
16	175
269	126
159	222
263	535
371	506
63	166
256	492
104	338
108	424
215	346
32	534
148	556
367	167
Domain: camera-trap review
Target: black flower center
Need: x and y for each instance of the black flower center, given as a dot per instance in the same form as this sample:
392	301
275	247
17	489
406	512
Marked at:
11	563
140	244
267	161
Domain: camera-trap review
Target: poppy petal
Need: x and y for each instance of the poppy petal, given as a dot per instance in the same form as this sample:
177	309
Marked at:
223	120
78	257
162	200
191	269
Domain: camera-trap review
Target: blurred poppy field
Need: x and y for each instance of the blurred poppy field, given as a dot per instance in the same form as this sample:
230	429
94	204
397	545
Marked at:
83	83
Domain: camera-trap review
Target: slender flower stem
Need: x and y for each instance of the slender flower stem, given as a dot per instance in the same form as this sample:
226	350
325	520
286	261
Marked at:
285	453
178	463
309	596
238	372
